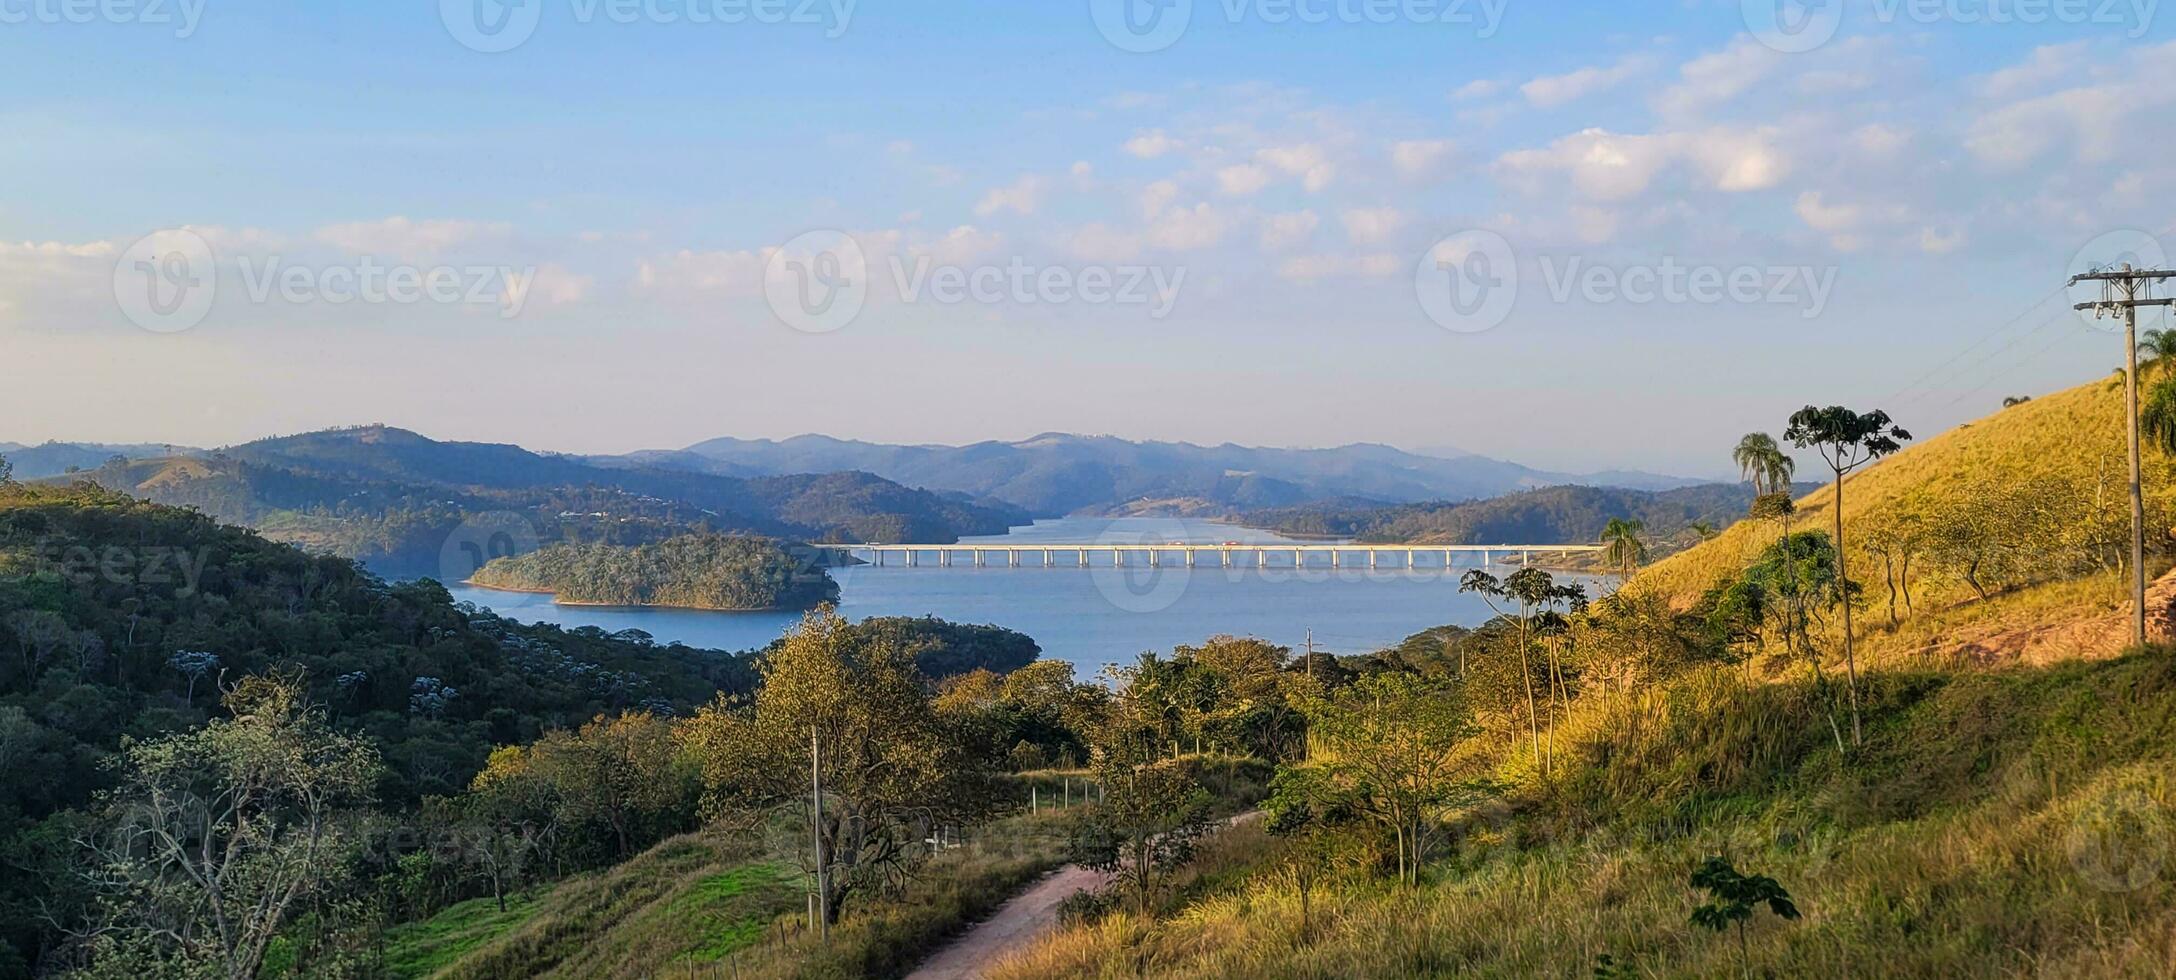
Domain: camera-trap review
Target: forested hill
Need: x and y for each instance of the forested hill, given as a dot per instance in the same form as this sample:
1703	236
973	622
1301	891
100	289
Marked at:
400	502
1548	515
122	618
691	571
1058	473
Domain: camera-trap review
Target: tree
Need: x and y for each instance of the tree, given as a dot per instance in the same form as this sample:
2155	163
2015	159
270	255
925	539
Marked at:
2157	346
1625	549
892	767
1387	751
1733	898
1846	441
1535	596
2157	417
214	837
1764	464
1147	820
7	470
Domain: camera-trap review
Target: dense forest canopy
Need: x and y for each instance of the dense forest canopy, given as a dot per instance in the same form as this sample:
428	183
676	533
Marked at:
690	571
122	619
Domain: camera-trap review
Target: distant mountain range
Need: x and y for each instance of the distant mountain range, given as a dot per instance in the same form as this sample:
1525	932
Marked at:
394	499
1056	473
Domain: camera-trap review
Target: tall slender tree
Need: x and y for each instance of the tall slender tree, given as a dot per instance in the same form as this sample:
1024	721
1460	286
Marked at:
1764	464
1846	441
1626	551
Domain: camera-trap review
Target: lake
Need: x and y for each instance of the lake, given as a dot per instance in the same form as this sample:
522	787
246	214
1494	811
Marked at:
1095	616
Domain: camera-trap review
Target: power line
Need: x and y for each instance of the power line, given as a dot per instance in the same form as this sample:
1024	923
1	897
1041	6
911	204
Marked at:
1969	348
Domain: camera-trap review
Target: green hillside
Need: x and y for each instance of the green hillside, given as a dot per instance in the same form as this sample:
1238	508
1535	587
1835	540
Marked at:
706	571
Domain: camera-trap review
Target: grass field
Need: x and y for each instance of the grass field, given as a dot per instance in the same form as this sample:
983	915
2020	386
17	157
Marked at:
1998	823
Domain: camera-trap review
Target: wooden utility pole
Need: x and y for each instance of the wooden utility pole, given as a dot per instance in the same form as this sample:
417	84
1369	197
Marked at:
816	828
2120	289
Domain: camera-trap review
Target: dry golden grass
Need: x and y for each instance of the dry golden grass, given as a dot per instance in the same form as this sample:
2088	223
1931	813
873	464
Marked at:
2015	823
2075	434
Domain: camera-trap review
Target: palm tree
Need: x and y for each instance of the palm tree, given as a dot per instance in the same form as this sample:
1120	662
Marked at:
2157	416
1764	464
1626	550
1702	529
2156	346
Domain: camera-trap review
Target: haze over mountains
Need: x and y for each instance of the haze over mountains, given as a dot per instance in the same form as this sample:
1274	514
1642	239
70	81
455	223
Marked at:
1058	473
394	499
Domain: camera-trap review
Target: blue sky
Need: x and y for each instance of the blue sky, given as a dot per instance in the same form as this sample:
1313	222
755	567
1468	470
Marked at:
1908	194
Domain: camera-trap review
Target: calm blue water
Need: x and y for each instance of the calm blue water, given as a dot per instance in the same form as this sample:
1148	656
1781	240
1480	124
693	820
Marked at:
1097	616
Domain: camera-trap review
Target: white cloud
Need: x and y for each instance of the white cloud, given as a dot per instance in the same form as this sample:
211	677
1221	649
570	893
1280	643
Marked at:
1181	229
1310	268
1305	161
1414	159
1099	242
1156	197
1150	144
1242	180
406	238
1479	88
1555	90
1940	242
2047	65
1371	226
1022	196
1717	77
1606	166
1288	229
960	246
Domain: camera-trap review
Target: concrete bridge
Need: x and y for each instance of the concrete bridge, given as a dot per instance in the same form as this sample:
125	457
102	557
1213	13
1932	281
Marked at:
1228	555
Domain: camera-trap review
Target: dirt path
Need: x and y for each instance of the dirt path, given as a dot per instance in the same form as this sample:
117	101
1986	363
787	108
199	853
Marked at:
1019	922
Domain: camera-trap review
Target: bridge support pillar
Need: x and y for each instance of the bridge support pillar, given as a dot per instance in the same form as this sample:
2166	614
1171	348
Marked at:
912	558
1371	559
1189	557
1337	559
